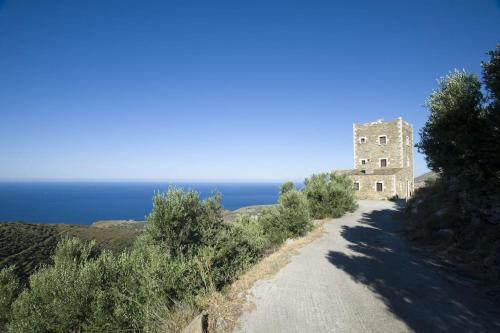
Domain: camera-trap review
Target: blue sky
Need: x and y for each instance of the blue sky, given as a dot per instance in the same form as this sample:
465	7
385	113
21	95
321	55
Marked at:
219	90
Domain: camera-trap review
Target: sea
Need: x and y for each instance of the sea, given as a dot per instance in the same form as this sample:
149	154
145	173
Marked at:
88	202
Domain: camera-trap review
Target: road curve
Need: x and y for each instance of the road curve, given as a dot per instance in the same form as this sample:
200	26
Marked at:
361	277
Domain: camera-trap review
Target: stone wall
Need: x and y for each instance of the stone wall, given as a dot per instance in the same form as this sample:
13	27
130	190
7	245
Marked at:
367	186
406	175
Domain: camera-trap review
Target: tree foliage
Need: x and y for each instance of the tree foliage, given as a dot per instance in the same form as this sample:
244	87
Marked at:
238	246
461	137
104	293
286	187
9	288
329	195
181	221
289	218
491	77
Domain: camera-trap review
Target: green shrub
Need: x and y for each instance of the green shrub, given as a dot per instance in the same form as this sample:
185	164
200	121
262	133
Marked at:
238	246
294	213
151	284
289	218
182	222
9	288
329	195
104	293
58	297
270	220
74	294
73	251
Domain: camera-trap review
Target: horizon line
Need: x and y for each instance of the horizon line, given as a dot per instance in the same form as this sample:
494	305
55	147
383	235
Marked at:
146	180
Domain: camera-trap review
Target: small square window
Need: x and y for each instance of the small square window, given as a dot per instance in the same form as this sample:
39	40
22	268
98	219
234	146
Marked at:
383	162
356	186
362	140
382	140
363	162
380	187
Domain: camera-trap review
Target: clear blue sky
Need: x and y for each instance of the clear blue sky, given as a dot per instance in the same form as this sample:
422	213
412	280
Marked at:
219	90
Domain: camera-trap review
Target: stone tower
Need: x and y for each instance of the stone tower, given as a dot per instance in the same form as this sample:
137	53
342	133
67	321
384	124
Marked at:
383	159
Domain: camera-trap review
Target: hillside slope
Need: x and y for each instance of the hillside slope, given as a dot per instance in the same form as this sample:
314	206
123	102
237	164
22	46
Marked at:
27	246
426	177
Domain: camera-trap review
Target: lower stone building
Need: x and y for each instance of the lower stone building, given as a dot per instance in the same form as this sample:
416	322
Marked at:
381	184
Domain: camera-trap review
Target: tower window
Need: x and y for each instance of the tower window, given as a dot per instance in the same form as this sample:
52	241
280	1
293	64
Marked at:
380	186
363	162
356	186
382	139
362	140
383	162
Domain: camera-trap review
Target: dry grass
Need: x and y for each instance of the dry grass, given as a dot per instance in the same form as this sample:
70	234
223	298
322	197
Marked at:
177	320
224	309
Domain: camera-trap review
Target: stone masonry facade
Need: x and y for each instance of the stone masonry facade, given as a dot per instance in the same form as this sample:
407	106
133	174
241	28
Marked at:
383	160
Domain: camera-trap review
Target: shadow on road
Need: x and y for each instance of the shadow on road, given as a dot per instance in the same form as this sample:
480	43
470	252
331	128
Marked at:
412	289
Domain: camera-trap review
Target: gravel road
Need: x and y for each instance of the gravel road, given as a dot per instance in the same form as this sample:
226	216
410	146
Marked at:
361	277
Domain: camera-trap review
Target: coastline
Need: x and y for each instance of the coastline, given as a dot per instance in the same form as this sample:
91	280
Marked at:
229	216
